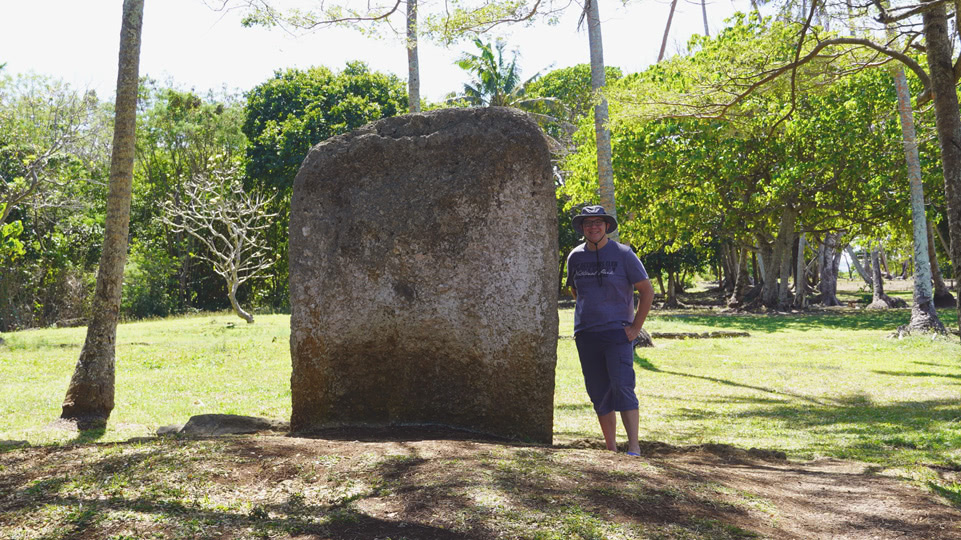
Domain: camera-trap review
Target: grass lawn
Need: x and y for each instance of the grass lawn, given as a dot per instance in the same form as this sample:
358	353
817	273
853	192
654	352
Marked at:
823	384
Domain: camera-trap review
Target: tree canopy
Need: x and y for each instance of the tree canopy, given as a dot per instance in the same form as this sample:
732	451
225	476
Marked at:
297	109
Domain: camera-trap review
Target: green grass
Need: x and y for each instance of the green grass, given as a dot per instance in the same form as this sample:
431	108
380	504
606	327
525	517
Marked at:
821	384
811	385
167	371
824	384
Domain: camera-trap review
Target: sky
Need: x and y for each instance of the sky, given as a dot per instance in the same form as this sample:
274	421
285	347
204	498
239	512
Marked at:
195	47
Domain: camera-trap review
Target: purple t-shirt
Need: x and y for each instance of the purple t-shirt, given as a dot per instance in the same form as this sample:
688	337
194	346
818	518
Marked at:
604	280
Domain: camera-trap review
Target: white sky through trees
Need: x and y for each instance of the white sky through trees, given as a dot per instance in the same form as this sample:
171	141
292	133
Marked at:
196	47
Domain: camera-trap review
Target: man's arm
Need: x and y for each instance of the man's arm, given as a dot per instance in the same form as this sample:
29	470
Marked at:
645	294
574	293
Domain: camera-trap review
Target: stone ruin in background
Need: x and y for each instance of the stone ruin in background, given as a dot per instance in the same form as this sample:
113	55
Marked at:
423	276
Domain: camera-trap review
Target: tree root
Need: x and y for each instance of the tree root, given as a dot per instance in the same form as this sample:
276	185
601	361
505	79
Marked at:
884	301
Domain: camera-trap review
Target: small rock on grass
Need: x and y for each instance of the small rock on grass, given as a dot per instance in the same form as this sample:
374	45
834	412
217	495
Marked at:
171	429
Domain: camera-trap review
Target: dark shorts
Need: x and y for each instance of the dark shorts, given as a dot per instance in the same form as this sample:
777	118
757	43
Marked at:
607	361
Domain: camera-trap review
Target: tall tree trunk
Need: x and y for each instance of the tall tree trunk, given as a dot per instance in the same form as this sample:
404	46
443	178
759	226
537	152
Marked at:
948	121
942	296
667	31
782	253
605	171
671	300
729	259
800	277
413	65
857	265
883	258
741	280
90	396
759	266
707	31
828	264
560	284
769	270
924	316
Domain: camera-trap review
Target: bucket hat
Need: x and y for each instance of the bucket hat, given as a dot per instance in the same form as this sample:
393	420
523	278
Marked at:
593	211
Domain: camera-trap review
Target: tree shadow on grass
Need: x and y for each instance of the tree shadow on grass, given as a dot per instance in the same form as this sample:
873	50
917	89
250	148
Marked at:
646	364
920	431
87	435
859	427
923	374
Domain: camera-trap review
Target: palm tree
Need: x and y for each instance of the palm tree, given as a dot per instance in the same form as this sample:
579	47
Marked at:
605	169
90	396
494	82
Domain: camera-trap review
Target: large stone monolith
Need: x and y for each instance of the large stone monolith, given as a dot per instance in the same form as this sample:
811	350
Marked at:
423	275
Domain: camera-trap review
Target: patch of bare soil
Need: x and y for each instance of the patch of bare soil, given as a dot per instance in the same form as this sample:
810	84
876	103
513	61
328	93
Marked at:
417	483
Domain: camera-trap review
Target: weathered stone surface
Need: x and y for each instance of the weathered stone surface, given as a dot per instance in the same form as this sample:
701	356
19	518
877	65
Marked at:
423	275
228	424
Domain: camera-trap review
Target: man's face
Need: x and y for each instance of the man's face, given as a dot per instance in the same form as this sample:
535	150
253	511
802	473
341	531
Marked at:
594	229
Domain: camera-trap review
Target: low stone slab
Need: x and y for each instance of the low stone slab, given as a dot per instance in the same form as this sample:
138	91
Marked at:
212	425
4	444
423	276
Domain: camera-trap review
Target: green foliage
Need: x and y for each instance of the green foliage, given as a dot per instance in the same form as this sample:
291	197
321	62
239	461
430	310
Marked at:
10	245
687	259
297	109
181	136
562	98
149	281
686	175
572	86
53	167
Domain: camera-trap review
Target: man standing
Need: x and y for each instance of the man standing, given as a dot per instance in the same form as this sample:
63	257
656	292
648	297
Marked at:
603	276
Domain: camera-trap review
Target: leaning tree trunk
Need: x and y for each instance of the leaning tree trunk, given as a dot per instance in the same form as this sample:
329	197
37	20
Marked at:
707	32
827	262
605	171
942	296
413	65
948	121
924	316
90	396
883	258
667	30
857	265
880	300
232	295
